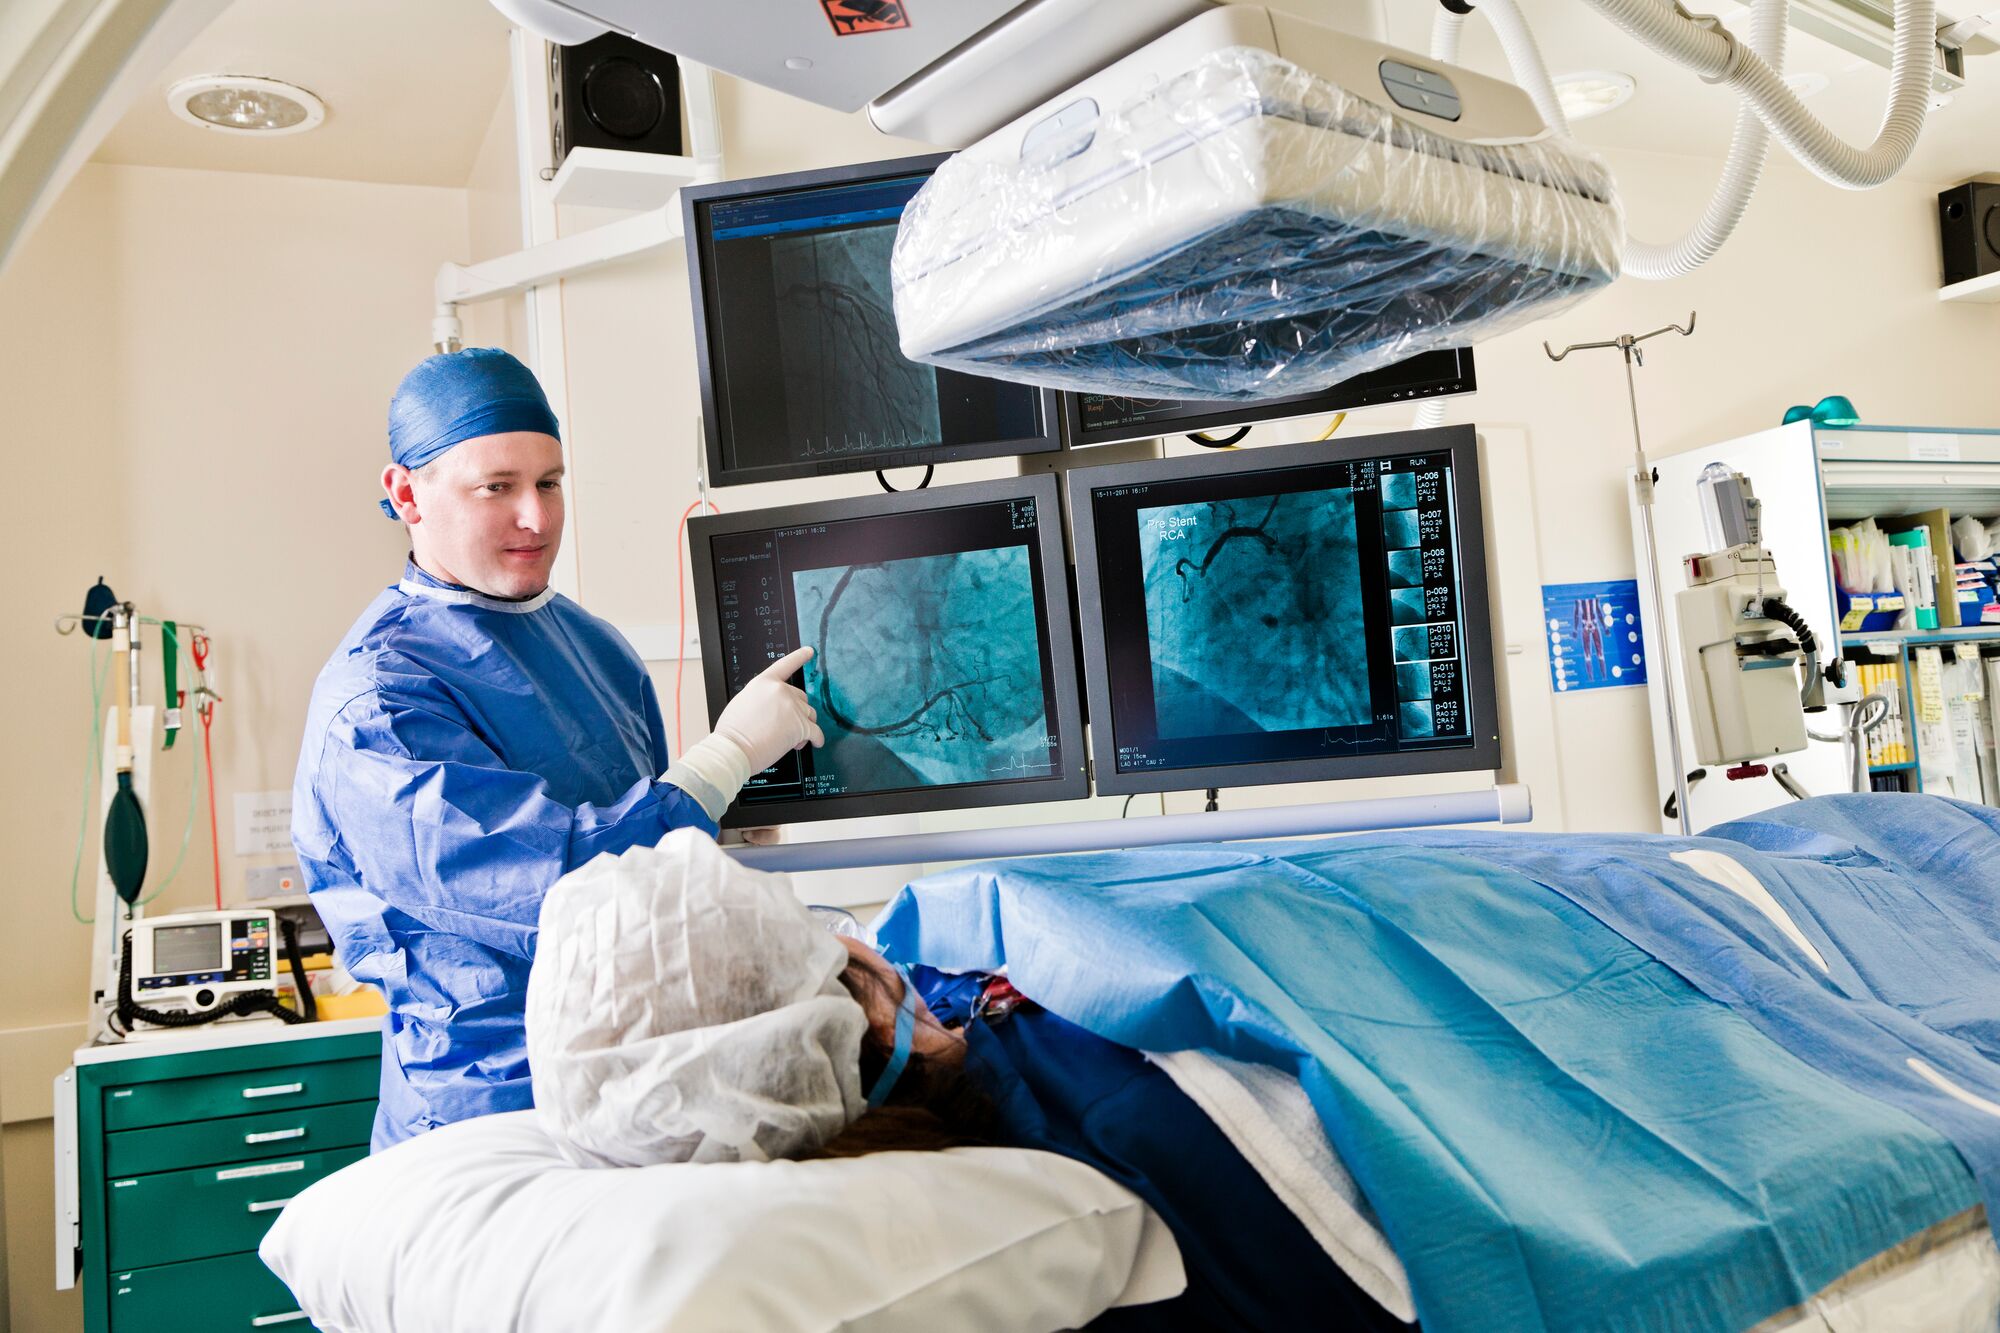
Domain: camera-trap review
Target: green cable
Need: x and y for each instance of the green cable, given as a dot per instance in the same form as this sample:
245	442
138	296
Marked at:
92	772
187	831
171	644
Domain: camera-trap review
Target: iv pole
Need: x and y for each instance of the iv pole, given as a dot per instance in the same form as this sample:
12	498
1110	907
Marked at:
1642	477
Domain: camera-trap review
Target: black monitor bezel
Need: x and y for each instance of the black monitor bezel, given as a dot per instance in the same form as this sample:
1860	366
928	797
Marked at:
1074	781
1483	690
1340	398
694	199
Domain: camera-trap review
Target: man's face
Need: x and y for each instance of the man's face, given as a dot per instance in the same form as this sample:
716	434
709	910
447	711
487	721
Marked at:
488	514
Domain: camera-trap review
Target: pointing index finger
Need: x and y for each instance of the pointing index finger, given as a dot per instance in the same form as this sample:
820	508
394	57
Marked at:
788	666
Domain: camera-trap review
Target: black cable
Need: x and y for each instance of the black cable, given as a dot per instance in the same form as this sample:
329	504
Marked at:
1793	621
1672	809
1796	623
242	1003
288	931
1127	808
930	470
1207	441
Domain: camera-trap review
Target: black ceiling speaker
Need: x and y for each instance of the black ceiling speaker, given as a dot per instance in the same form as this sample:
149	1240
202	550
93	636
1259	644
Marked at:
1969	227
613	92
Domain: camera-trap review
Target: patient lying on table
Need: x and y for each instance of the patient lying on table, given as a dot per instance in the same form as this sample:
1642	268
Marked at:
683	1009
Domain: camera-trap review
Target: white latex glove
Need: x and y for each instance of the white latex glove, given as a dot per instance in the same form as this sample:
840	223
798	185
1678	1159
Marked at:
769	718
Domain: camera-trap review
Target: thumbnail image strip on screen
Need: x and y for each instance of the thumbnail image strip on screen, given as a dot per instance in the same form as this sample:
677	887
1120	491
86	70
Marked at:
1308	617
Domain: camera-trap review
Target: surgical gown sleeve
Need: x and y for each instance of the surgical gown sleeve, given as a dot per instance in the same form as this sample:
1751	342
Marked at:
439	826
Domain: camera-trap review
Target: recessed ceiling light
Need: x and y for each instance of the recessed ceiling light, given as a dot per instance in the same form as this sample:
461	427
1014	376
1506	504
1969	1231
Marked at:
1592	92
244	104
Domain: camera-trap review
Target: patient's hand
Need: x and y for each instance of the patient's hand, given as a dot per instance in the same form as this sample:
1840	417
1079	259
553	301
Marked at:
763	837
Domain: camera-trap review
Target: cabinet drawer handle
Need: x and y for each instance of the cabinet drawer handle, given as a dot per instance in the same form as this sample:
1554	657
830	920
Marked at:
275	1090
276	1135
269	1205
265	1321
261	1169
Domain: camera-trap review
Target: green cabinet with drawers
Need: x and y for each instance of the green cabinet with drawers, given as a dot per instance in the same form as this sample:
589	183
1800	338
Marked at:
184	1157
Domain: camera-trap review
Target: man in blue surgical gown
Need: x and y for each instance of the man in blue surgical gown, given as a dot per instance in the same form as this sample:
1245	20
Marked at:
476	735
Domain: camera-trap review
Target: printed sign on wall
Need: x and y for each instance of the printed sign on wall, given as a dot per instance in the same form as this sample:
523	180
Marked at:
1594	637
263	822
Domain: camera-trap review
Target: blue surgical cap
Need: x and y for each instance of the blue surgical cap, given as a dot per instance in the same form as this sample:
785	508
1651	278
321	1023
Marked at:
460	396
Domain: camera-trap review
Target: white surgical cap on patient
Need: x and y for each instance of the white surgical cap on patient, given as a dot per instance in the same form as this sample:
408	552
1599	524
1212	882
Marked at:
684	1009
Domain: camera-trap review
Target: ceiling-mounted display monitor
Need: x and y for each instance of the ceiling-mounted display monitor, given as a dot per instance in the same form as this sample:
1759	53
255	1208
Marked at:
944	672
795	335
1093	418
1286	614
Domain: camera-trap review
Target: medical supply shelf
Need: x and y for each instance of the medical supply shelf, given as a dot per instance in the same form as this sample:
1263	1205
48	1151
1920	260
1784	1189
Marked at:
1852	639
1809	479
1905	645
175	1154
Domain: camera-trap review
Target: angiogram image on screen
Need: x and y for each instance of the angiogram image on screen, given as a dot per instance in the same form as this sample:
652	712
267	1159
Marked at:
1254	614
927	671
847	387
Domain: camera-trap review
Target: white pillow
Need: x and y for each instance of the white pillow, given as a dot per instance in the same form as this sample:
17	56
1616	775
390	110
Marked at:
483	1226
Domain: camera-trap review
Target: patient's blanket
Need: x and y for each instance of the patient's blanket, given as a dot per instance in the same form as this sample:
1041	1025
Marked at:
1559	1128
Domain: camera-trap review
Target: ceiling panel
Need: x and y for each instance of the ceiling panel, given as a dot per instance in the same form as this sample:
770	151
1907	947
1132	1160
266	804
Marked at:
410	88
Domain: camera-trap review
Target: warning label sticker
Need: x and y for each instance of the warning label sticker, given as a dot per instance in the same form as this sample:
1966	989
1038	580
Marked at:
851	18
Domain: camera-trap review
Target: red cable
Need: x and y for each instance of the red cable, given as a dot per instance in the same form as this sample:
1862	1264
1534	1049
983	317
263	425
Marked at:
680	617
205	710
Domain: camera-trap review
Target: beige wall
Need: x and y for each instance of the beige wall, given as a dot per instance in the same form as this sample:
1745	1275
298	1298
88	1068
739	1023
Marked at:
195	369
198	365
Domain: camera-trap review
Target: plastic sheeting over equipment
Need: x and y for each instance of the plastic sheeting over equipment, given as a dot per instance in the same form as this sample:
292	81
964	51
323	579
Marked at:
1243	229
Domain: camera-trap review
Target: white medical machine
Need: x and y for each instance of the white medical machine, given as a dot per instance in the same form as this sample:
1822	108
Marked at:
1751	662
1249	204
190	968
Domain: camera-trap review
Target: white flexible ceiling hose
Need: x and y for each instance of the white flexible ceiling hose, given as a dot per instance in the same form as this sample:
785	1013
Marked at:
1524	57
1718	58
1748	148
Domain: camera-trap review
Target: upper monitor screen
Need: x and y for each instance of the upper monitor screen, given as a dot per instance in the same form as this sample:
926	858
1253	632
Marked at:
944	673
796	335
1095	418
1286	614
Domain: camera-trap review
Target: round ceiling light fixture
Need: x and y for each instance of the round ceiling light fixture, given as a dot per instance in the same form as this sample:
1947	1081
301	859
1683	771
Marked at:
245	104
1592	92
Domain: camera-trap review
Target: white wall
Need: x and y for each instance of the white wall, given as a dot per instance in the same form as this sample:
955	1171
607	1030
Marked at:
1821	291
196	368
